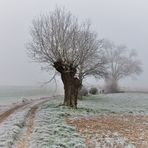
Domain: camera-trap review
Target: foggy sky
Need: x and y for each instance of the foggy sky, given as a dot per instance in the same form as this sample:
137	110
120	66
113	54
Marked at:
122	21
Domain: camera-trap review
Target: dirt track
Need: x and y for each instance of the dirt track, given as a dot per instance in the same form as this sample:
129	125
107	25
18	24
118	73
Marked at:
28	125
7	113
25	137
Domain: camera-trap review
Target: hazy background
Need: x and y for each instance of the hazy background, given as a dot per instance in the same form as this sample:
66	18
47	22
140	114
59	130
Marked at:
122	21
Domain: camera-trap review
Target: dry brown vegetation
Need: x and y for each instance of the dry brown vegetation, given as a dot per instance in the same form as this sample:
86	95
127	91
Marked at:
132	129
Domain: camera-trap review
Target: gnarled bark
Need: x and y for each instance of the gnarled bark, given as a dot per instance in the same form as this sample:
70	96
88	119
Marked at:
71	83
71	87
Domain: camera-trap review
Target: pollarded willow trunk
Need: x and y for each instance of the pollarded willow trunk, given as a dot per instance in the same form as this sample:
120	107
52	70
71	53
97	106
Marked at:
71	89
80	96
70	82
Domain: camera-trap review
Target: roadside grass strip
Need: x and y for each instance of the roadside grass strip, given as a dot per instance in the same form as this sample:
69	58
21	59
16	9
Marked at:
51	131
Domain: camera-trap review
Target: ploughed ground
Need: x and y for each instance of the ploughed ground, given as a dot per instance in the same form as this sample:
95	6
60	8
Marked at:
113	131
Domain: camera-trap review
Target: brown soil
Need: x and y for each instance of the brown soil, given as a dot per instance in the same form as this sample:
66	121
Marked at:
24	142
7	113
134	129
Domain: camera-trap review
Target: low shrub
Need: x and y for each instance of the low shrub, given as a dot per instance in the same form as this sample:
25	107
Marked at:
93	91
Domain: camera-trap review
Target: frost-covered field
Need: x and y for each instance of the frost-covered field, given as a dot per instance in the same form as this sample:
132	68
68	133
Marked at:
51	131
133	103
49	126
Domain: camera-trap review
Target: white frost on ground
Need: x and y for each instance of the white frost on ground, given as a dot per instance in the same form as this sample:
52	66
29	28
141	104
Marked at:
11	128
112	140
51	131
122	103
3	108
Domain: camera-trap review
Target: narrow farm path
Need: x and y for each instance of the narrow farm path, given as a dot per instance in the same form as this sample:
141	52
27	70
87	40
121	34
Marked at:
17	123
7	113
25	137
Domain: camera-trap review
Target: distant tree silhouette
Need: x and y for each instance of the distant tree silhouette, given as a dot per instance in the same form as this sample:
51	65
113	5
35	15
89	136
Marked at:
121	63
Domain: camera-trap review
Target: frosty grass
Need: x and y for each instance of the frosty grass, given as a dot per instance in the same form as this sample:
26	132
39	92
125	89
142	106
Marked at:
50	129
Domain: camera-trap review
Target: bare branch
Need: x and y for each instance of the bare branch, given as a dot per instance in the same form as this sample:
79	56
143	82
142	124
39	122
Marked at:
121	63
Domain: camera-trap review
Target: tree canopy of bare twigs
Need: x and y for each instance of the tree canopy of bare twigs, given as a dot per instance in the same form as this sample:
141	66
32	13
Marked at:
61	42
121	63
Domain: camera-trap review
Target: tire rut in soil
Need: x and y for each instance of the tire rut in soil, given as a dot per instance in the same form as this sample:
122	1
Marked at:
10	111
25	137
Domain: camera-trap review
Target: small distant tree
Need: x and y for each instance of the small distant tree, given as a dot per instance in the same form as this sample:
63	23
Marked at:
60	42
121	63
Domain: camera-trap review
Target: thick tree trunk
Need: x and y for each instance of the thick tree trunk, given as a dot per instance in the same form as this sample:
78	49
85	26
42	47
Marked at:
80	96
71	88
71	83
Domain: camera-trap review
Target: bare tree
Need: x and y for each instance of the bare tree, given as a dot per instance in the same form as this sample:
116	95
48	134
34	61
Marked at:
60	42
121	63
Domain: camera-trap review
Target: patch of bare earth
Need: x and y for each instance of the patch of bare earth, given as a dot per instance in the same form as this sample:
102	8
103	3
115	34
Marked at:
113	131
